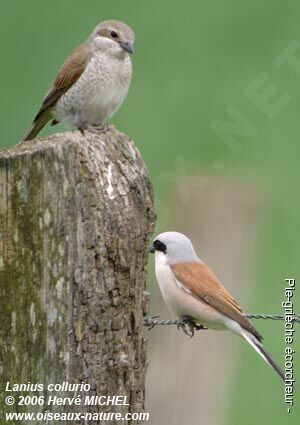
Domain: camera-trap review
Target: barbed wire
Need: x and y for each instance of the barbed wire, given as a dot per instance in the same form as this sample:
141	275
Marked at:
153	321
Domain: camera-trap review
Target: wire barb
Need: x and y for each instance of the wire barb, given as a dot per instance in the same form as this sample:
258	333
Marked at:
150	322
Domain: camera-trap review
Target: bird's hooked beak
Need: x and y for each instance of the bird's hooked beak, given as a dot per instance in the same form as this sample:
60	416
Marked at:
151	249
128	47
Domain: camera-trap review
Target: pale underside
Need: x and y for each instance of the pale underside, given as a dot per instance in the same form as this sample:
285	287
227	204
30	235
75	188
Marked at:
182	303
97	94
193	290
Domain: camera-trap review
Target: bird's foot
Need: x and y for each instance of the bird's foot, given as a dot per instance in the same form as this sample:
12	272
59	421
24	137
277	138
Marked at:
188	325
101	129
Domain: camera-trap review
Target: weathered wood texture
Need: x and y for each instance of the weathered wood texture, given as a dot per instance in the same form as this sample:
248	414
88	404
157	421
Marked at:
76	212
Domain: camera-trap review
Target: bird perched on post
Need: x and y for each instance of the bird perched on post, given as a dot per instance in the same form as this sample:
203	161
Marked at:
93	81
193	293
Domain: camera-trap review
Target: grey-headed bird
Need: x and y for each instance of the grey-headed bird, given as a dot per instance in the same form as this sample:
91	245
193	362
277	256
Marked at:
192	292
93	81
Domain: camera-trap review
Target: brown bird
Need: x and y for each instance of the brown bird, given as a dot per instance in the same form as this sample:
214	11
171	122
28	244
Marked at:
192	292
93	81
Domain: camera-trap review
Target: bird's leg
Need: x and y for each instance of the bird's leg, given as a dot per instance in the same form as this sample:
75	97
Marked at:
99	129
81	129
104	128
187	321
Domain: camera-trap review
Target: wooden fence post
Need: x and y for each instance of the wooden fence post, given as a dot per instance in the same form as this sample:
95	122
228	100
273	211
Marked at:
76	212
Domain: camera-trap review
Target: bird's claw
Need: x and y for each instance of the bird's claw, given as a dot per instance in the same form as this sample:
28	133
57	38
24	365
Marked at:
101	129
188	325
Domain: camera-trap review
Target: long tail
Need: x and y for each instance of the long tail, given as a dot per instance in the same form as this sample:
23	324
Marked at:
257	345
37	126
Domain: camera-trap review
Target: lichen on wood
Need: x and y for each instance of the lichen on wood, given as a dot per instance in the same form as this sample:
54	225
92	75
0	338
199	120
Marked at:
76	213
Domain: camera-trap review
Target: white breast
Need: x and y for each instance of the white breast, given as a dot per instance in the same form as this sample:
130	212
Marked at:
181	301
98	93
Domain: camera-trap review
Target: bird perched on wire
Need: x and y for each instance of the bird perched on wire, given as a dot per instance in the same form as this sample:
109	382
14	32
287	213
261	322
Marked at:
93	81
193	293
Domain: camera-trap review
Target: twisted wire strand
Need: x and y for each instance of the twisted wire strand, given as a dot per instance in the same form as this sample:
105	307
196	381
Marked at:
151	322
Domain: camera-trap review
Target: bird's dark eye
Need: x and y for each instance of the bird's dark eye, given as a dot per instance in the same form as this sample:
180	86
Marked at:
159	246
114	34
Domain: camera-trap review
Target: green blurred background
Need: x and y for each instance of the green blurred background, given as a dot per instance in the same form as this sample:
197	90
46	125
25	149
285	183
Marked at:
192	60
